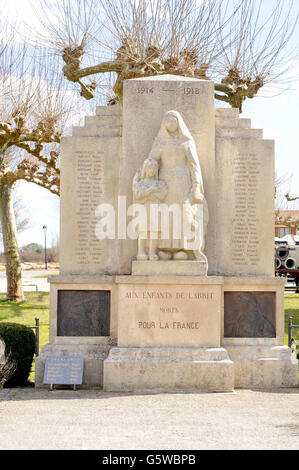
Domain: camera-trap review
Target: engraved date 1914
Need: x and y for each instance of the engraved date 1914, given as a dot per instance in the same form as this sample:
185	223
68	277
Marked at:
145	91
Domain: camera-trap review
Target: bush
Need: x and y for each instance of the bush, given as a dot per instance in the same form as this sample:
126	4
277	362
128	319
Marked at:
20	348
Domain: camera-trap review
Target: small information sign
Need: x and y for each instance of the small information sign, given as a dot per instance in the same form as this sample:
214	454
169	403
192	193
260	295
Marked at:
64	370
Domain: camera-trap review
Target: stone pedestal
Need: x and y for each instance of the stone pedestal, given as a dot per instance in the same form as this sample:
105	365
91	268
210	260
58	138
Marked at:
199	333
178	268
83	321
169	336
173	332
168	369
168	311
263	366
93	354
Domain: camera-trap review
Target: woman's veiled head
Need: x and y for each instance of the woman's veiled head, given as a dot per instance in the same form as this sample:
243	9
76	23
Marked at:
171	123
173	126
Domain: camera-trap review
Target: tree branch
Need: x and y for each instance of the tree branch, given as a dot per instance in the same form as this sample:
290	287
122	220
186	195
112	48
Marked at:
289	198
49	162
221	98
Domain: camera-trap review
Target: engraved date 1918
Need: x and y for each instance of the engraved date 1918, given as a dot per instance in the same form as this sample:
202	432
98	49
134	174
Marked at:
145	91
191	91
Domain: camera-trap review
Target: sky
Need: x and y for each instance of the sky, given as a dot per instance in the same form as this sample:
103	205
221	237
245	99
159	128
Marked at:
278	116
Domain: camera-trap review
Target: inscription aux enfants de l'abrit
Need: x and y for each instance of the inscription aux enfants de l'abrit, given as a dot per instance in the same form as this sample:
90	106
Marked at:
168	301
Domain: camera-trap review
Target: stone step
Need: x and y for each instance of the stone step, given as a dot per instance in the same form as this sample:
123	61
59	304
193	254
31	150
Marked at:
164	369
104	131
239	133
227	113
108	110
99	121
237	122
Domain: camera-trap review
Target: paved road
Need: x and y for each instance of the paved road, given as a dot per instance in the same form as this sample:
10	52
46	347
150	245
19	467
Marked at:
33	277
38	419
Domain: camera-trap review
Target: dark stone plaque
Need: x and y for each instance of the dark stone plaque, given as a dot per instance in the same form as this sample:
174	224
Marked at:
83	313
249	314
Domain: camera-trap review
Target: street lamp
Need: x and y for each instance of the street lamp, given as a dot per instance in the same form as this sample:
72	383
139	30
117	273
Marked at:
45	233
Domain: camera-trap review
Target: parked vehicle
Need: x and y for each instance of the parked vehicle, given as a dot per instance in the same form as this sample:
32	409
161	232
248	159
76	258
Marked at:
287	258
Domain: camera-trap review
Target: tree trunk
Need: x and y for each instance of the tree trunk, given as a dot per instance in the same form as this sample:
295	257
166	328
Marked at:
10	243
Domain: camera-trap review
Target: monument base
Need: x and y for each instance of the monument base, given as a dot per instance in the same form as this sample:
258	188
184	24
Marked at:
263	366
170	267
172	333
168	369
93	354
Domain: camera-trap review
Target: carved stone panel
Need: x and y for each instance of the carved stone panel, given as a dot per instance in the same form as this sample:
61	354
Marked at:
245	205
249	315
83	313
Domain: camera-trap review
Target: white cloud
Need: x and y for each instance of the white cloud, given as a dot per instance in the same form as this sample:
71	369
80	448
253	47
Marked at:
26	16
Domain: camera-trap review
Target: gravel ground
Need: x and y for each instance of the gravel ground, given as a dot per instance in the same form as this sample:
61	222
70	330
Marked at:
92	420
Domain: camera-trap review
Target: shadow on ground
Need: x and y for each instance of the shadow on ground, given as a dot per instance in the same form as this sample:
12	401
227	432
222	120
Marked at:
30	393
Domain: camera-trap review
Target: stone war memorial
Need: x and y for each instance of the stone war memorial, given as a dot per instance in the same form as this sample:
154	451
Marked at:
167	256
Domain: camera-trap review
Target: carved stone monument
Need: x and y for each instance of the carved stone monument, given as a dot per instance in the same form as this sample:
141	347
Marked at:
171	181
167	228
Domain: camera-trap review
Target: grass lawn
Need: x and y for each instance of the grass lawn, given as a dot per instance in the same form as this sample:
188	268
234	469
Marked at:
291	309
37	305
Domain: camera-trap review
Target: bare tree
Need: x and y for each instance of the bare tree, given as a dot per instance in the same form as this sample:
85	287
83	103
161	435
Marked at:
22	220
21	217
12	170
283	198
33	109
237	43
6	371
290	199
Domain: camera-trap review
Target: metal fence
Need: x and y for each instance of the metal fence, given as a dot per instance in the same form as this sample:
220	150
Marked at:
36	328
293	288
31	285
291	326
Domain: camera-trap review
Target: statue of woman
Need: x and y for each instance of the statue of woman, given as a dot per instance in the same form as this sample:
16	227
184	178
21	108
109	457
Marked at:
175	151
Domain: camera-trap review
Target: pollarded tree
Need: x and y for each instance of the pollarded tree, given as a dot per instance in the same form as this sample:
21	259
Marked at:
30	104
240	44
21	218
291	198
13	170
22	222
33	109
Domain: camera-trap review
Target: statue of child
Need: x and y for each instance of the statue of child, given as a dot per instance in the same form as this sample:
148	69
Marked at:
148	190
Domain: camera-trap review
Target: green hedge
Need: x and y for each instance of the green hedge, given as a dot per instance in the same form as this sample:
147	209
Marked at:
20	345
